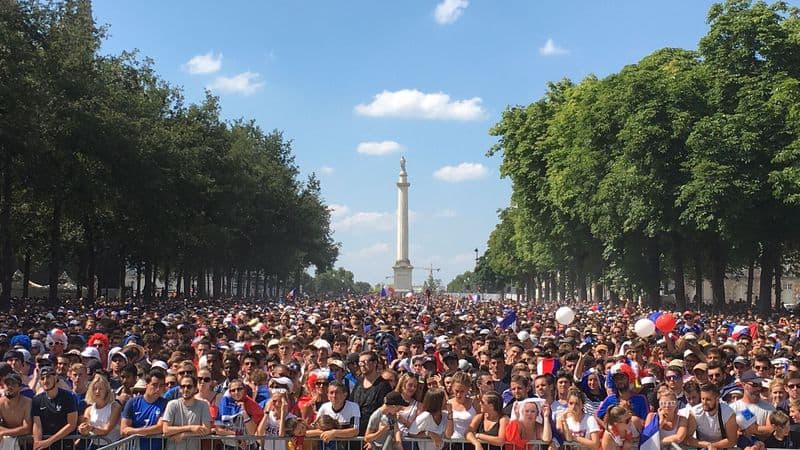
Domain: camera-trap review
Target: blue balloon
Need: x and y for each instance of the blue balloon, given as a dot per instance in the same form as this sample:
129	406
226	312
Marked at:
654	316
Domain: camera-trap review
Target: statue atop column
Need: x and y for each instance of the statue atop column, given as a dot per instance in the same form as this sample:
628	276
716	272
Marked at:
402	165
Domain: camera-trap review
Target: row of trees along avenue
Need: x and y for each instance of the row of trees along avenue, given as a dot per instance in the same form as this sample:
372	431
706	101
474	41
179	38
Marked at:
684	166
104	167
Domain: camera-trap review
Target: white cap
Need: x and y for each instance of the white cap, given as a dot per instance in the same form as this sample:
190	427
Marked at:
159	364
463	364
91	352
322	343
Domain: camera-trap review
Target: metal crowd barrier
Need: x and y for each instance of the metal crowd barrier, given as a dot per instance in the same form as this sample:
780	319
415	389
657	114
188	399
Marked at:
247	442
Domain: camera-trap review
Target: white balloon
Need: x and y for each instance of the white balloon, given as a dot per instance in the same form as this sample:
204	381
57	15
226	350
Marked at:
410	295
565	315
523	336
644	327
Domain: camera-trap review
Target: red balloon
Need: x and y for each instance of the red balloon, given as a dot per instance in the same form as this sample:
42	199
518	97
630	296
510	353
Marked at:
665	322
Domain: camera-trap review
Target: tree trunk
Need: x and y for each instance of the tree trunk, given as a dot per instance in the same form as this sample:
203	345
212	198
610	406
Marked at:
547	287
239	283
718	276
768	251
562	286
217	282
91	273
613	297
580	280
26	274
122	274
148	282
138	280
750	276
201	284
7	254
187	285
55	252
698	282
653	274
678	272
167	280
778	288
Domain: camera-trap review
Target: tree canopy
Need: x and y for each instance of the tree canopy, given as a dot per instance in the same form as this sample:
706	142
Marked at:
105	168
685	163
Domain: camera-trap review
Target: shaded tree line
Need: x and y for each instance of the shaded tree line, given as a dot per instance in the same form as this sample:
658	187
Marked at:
682	167
104	167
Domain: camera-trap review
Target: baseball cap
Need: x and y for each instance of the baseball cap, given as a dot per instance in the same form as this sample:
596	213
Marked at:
273	343
741	360
449	355
337	363
90	352
12	354
676	363
700	366
394	398
751	377
46	370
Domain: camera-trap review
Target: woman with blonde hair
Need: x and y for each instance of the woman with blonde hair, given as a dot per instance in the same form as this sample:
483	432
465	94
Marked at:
409	387
101	418
532	424
460	409
673	422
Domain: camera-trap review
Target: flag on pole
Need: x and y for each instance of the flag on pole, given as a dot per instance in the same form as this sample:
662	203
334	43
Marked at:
650	439
383	292
291	294
548	365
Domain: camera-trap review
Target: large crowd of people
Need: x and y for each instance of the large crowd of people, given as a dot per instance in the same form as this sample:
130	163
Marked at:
393	373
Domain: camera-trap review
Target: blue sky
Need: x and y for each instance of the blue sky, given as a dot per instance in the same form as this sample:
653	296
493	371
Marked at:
356	84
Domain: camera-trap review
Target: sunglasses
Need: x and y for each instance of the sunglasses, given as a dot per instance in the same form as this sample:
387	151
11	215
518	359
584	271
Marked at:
792	386
187	386
204	379
238	389
321	383
185	372
672	377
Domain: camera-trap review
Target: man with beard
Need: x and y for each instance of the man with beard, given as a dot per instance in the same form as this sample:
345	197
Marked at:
186	416
370	389
623	395
715	421
15	409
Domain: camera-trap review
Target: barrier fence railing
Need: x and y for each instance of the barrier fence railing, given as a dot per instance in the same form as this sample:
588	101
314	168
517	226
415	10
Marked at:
246	442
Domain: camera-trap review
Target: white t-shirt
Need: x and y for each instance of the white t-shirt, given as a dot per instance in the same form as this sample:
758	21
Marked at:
348	416
708	425
750	413
425	422
585	428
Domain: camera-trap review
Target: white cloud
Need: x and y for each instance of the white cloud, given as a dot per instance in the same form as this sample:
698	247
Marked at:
338	211
380	248
550	49
462	172
245	83
379	148
326	170
364	220
446	214
200	64
413	104
448	11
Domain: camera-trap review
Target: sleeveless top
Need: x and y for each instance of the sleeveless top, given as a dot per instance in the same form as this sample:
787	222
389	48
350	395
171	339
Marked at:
99	418
493	431
408	414
461	420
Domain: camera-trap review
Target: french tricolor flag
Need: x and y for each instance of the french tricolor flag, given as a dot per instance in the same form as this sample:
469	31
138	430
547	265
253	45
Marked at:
548	365
737	331
383	292
291	294
650	439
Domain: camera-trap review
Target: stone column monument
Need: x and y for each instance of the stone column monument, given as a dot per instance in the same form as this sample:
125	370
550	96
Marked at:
402	267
